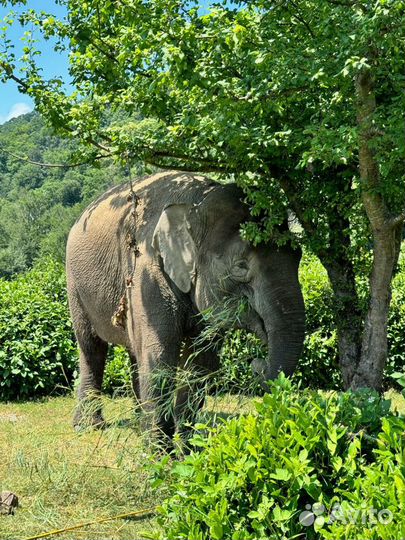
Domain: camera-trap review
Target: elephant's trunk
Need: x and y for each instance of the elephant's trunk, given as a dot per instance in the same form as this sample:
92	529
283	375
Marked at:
284	322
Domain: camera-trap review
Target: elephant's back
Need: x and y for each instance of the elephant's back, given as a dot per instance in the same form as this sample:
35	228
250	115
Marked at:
99	257
109	212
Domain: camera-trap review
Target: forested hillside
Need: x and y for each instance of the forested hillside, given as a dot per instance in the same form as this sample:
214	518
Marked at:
38	204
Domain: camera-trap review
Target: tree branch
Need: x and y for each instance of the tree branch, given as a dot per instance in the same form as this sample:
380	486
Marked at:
300	18
197	167
274	93
183	157
397	220
109	55
51	165
10	74
373	201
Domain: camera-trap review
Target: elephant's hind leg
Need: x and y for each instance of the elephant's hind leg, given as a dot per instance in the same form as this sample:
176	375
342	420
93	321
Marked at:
93	354
92	362
135	379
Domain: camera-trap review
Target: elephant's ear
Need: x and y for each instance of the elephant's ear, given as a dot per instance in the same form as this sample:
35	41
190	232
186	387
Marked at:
172	239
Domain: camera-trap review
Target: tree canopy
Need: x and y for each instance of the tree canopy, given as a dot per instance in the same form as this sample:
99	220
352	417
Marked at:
302	101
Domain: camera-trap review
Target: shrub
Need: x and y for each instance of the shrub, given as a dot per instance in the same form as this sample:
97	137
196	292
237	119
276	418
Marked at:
396	324
37	351
117	374
374	507
275	474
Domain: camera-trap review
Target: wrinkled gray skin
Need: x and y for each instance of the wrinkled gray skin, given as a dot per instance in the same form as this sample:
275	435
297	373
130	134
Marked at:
190	256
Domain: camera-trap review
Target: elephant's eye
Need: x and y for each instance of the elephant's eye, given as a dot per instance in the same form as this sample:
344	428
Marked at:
242	264
240	269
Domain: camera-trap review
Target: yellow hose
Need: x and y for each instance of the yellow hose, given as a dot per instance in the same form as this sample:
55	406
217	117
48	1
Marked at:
96	521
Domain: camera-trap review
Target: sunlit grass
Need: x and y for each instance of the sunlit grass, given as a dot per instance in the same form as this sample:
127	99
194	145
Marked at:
62	477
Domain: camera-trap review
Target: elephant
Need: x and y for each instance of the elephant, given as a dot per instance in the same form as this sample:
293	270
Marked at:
141	265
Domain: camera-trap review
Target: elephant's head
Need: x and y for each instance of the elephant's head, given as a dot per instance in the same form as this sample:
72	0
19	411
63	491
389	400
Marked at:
204	255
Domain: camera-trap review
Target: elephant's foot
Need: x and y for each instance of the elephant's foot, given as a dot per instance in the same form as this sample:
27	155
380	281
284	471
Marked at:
159	431
88	415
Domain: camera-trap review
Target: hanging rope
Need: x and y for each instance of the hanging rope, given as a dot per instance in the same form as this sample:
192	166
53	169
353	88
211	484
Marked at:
120	315
134	198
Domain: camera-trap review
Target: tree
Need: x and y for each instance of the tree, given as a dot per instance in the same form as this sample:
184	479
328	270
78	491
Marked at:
302	101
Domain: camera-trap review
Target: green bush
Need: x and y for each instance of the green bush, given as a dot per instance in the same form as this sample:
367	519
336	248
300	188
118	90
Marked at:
38	355
284	471
377	494
396	325
38	352
117	374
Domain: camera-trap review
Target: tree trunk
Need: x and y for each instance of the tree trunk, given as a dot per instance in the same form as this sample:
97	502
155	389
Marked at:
362	346
386	236
374	351
348	316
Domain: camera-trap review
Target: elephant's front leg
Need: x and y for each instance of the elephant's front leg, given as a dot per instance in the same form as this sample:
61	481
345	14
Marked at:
157	367
156	321
195	381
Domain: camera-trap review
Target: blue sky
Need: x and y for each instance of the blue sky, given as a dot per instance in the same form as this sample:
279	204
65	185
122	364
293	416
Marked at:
12	103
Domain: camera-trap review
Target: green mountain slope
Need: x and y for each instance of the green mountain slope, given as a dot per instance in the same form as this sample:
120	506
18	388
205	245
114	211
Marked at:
38	205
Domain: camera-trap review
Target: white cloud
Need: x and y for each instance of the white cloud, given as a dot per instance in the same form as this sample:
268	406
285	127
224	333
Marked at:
16	110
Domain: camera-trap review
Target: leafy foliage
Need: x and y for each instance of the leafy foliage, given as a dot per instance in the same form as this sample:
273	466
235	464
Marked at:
117	374
38	355
256	89
255	475
38	205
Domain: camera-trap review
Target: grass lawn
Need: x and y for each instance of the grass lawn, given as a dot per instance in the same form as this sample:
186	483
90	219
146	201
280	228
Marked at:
64	478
